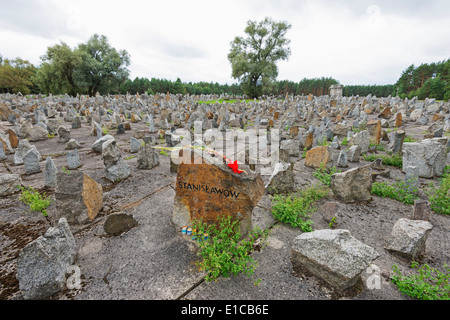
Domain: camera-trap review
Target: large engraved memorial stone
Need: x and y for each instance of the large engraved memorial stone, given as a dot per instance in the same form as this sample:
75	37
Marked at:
207	188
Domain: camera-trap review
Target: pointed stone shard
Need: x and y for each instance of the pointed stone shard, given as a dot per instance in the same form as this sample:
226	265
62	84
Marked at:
116	168
50	173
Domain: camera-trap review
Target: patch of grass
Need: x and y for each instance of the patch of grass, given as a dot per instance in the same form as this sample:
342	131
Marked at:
163	152
223	100
130	157
399	191
439	197
224	253
344	141
296	209
305	150
324	174
51	135
409	139
428	284
35	200
394	160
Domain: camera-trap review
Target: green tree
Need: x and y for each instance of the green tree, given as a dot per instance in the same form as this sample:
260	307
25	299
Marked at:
102	69
16	76
253	58
55	74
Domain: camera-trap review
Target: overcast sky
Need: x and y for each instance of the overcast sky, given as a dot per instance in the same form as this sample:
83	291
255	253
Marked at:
355	42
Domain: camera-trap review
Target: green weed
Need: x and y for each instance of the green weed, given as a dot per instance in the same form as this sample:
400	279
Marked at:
324	174
428	284
399	191
296	209
35	200
224	253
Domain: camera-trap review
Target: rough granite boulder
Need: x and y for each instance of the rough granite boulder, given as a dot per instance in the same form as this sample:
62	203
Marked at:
408	238
42	264
78	197
353	185
429	156
333	256
9	184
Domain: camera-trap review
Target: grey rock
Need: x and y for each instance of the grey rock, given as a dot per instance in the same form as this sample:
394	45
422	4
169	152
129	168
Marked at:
73	144
408	238
31	162
23	147
281	180
396	141
333	256
362	139
9	184
428	155
38	133
353	185
422	121
116	168
50	173
63	133
76	123
342	160
135	145
42	264
98	144
292	146
147	157
73	159
2	152
78	197
116	224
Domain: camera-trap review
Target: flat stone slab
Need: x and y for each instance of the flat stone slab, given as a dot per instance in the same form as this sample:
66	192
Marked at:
332	255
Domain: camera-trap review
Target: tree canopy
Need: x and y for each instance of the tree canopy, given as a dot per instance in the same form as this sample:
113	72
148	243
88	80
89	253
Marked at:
16	75
253	58
92	67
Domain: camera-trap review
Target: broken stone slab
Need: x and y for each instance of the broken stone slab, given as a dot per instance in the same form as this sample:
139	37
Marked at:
135	145
318	157
23	147
208	189
429	156
354	153
63	133
292	146
362	139
421	210
38	133
147	157
31	162
408	238
281	180
73	160
78	197
396	139
353	185
116	224
42	264
72	144
50	173
9	184
4	140
116	168
333	256
98	144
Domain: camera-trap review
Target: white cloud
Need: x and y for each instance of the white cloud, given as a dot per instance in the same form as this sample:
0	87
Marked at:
364	42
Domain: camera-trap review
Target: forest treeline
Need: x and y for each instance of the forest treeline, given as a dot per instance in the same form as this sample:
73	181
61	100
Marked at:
95	66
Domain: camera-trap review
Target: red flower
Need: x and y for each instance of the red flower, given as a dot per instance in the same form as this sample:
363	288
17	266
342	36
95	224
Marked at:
234	166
